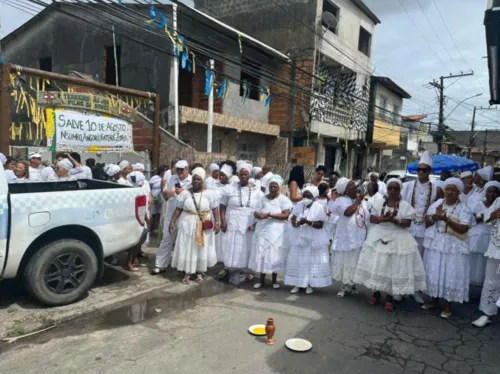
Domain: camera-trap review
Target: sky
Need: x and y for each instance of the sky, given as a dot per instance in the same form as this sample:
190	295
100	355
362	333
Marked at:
417	41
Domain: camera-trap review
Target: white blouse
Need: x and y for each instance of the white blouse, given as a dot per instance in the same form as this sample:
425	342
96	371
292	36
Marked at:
494	247
351	231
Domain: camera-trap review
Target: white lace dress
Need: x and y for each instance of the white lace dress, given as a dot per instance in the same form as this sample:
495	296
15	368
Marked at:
217	189
267	255
188	256
390	260
308	262
237	241
479	240
349	238
446	258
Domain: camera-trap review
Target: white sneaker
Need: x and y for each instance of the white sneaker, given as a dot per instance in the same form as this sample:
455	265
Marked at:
295	290
341	293
257	285
309	290
276	286
482	321
418	298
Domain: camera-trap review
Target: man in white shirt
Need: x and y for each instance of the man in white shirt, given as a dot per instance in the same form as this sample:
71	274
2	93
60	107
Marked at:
38	172
177	183
80	171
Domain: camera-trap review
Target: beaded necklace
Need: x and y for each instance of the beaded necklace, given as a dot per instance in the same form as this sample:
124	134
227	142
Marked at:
420	219
241	197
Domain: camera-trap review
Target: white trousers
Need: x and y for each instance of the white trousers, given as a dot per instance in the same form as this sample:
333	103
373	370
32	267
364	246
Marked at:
491	288
164	254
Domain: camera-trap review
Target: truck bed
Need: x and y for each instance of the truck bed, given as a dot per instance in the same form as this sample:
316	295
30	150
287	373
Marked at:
76	185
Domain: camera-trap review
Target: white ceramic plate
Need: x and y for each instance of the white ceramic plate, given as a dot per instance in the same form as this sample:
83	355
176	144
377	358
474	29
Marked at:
252	329
298	345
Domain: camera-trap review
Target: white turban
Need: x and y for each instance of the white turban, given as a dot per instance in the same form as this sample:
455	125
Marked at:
455	182
426	159
395	180
138	166
34	155
486	173
227	170
342	185
123	164
199	172
276	179
256	170
3	159
313	190
65	163
182	164
492	184
111	169
465	174
213	167
246	166
138	177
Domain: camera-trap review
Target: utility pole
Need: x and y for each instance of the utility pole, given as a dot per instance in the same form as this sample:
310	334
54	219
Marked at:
4	109
210	121
484	147
440	87
471	137
291	108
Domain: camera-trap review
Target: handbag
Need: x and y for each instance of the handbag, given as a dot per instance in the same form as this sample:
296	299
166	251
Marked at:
205	224
452	232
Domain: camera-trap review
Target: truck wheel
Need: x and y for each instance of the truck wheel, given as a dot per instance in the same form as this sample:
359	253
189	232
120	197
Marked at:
61	272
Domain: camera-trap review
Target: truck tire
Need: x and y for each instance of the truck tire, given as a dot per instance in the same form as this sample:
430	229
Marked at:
61	272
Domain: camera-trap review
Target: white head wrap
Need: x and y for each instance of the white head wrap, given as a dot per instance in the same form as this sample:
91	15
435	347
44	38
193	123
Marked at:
34	155
276	179
256	170
465	174
3	159
395	180
111	169
455	182
426	159
342	185
486	173
227	170
213	167
123	164
65	163
138	166
492	184
313	190
199	172
139	178
182	164
245	166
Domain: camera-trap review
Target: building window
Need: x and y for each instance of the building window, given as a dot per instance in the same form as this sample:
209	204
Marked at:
252	80
365	41
113	67
330	7
396	118
383	106
248	152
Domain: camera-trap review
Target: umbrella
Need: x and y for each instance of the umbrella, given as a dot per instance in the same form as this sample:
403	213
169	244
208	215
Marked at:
447	163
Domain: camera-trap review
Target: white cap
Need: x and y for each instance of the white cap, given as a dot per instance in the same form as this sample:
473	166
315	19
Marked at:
227	170
34	155
213	167
124	164
199	172
182	164
111	169
138	166
426	159
466	174
65	163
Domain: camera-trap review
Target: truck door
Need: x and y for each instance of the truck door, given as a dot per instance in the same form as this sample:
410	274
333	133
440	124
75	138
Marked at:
4	218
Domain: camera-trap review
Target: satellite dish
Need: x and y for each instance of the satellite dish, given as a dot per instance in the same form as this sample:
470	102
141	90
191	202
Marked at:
330	20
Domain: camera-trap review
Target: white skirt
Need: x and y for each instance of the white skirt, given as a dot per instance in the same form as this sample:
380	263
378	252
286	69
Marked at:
188	256
447	275
266	257
396	274
344	265
307	266
478	245
236	249
491	288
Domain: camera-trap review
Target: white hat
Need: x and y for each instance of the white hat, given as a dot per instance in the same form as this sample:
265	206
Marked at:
213	167
313	190
275	178
124	164
426	159
65	163
3	159
245	166
111	169
466	174
227	170
136	178
34	155
486	173
182	164
341	185
256	170
138	166
456	182
395	180
199	172
492	184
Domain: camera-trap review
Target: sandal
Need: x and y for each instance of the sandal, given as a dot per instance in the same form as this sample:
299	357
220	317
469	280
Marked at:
157	271
130	268
389	307
186	281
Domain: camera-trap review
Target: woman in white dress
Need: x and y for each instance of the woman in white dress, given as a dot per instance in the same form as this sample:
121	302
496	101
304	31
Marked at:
491	286
390	261
218	187
479	234
238	203
157	203
481	177
63	167
353	213
195	244
308	262
267	256
446	257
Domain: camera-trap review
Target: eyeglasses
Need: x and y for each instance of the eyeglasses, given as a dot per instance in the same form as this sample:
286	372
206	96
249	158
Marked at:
422	170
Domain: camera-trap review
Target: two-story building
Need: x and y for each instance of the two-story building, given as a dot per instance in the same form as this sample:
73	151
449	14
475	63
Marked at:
119	44
330	43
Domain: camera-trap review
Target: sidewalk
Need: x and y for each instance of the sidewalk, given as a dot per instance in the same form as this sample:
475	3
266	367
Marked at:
20	314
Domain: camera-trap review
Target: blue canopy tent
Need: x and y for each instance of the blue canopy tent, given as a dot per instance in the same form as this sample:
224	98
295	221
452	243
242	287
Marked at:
447	163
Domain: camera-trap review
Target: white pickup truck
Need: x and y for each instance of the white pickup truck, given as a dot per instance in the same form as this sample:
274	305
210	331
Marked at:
55	235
